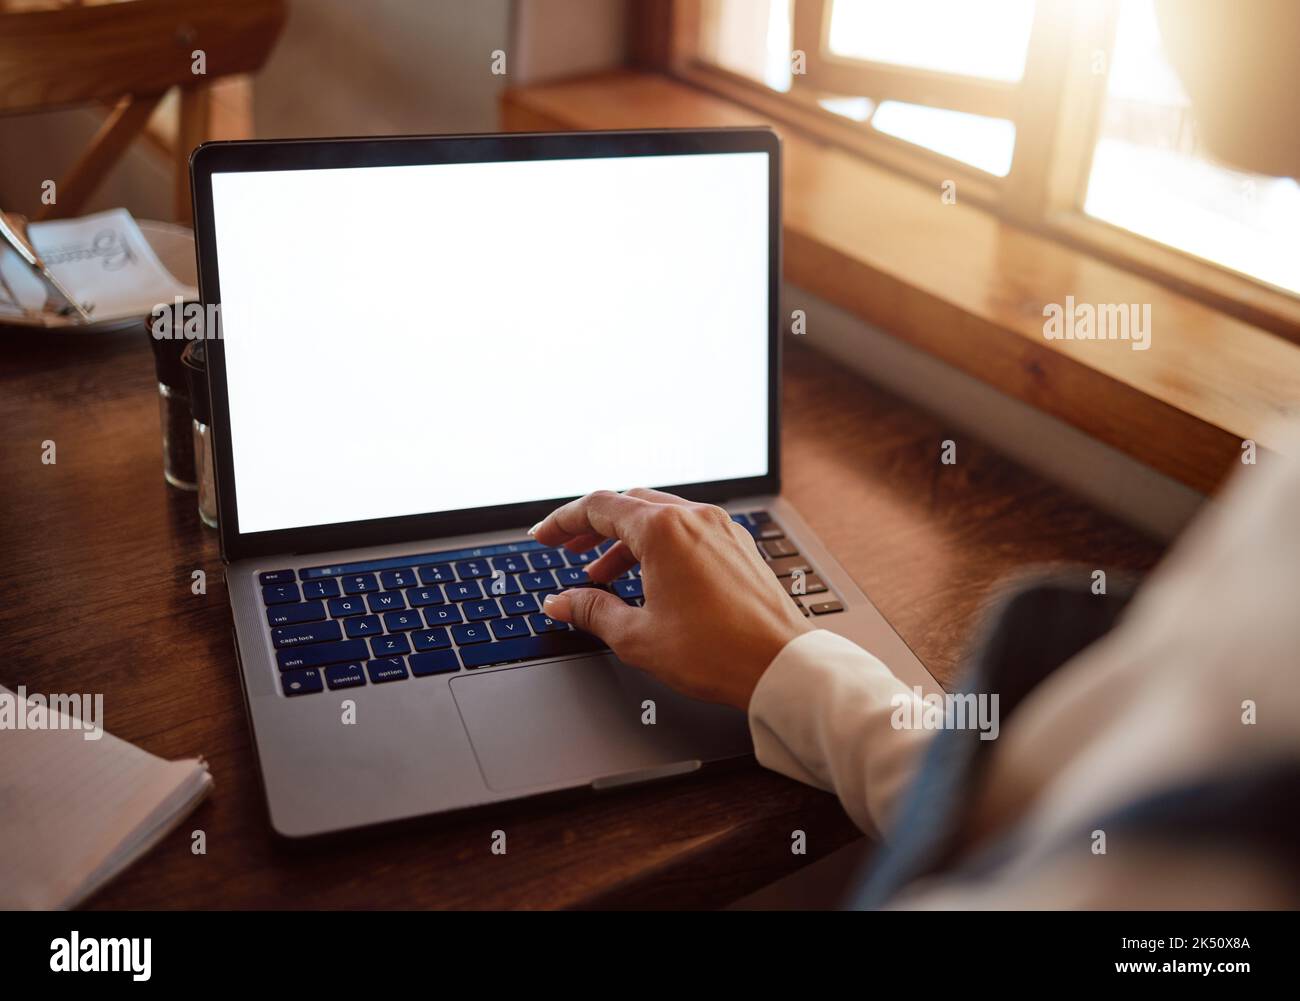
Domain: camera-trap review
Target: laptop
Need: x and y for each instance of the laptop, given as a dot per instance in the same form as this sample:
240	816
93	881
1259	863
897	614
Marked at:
426	345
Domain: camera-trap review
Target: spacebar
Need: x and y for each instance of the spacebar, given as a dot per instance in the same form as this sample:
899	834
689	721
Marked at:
529	648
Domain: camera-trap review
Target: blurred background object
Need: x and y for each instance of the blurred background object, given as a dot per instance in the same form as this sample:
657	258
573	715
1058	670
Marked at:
275	69
1069	115
1237	62
137	69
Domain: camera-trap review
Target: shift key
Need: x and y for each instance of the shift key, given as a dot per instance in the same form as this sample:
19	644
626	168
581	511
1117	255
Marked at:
322	653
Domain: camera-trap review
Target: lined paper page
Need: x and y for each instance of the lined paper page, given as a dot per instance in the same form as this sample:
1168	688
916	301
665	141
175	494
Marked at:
74	812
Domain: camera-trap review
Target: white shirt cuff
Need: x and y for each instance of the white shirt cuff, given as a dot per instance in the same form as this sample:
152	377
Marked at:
821	713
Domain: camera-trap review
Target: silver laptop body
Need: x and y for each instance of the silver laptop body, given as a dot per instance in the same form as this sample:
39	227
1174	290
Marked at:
298	421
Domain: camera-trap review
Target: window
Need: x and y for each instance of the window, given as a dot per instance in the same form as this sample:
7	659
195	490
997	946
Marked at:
1150	176
1063	115
880	65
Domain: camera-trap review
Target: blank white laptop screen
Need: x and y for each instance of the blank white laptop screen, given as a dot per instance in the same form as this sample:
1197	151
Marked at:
409	340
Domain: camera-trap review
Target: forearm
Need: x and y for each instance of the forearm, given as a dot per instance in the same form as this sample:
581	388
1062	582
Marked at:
822	713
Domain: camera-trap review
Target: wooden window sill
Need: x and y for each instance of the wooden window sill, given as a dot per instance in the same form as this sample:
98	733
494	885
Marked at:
969	288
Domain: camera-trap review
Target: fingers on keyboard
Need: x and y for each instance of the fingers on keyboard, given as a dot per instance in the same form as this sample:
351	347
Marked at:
378	623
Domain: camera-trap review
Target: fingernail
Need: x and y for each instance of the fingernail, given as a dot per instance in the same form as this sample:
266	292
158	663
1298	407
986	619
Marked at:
558	606
533	530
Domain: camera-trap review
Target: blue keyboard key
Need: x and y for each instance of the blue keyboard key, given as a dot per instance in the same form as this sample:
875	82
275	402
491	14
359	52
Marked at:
345	675
280	594
505	629
519	604
546	624
276	577
386	601
466	591
439	573
477	611
500	583
629	588
474	632
339	607
326	587
400	622
472	569
386	669
363	625
530	648
545	559
542	581
443	615
509	564
418	597
320	654
389	646
424	664
572	577
360	583
284	615
581	559
431	639
301	682
311	632
397	578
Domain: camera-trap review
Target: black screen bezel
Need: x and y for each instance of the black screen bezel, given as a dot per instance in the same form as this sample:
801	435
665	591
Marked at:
310	154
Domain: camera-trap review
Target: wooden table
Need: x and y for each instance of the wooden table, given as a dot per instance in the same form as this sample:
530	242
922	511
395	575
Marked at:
97	555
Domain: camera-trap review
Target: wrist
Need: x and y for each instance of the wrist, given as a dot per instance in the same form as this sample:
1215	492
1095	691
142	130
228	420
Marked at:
772	648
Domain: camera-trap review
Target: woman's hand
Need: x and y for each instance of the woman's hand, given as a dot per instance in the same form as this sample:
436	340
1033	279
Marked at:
714	615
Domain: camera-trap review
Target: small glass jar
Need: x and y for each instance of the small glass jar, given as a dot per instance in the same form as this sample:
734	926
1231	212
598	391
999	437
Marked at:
177	443
196	372
173	402
207	481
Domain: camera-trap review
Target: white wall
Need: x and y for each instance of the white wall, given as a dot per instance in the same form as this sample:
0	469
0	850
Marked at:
383	67
387	67
559	38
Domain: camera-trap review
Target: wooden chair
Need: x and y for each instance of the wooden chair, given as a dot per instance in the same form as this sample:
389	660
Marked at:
126	56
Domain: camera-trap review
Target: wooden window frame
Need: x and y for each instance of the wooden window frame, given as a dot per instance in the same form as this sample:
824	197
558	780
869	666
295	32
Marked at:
1056	109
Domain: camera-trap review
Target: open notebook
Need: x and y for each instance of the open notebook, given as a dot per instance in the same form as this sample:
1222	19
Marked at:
107	260
76	812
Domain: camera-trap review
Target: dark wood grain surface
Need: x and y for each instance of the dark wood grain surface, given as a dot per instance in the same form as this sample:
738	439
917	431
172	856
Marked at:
96	557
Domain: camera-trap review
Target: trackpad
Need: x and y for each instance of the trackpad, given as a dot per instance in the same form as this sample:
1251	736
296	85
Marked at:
575	721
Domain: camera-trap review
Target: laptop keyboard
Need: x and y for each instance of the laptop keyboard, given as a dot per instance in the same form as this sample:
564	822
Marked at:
396	618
